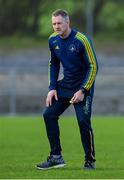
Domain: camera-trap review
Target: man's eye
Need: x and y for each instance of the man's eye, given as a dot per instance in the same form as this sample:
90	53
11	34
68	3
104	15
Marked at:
56	24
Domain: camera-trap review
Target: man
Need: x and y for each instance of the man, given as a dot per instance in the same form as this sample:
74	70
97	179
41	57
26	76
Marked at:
75	52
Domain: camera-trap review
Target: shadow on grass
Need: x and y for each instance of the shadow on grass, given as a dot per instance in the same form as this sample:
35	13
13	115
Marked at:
84	170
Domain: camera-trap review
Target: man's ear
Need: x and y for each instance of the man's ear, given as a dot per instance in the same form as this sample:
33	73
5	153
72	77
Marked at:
68	22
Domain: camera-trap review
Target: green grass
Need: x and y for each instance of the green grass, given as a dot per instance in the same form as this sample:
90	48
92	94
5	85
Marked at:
23	144
16	42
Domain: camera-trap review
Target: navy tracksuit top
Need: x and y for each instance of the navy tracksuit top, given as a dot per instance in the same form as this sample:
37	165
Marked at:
78	59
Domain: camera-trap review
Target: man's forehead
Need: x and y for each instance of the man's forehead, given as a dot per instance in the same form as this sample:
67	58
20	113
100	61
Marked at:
57	18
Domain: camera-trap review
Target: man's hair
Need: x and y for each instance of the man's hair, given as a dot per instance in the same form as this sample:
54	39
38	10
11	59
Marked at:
61	12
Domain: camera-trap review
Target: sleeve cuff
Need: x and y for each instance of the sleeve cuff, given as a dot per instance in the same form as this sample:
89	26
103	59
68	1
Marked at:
83	90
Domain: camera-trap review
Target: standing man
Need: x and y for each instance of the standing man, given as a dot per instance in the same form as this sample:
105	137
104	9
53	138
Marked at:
75	52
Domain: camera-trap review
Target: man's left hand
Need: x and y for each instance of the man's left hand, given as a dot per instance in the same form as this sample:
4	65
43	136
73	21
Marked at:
78	96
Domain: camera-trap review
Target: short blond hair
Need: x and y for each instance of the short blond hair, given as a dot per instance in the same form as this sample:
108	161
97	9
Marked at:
61	12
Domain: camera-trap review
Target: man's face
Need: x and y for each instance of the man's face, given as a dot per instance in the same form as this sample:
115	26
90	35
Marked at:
60	25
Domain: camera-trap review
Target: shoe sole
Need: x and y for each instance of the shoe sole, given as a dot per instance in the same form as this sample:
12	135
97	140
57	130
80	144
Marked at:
56	166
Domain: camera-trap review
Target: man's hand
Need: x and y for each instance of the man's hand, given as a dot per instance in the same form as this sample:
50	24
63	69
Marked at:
77	97
51	94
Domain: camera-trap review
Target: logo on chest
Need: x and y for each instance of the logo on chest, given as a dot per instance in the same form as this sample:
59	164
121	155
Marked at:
72	48
57	47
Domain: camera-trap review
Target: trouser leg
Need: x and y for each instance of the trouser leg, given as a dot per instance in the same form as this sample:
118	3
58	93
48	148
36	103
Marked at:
83	113
51	116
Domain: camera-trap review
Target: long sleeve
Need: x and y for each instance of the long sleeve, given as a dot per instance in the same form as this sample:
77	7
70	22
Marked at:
54	66
91	61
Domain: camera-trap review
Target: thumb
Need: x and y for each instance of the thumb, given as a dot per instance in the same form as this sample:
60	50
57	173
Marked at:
56	97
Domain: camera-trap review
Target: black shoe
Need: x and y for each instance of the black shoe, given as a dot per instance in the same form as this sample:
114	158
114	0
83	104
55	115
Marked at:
89	165
52	162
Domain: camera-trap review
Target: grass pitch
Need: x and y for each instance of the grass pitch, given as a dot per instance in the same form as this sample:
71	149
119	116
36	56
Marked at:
23	144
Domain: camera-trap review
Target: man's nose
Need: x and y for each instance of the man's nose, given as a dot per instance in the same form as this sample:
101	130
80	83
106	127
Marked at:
57	26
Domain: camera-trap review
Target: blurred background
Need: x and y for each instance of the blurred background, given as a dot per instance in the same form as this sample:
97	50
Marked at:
25	26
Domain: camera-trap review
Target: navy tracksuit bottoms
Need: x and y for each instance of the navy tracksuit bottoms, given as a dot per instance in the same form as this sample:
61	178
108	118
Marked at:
83	114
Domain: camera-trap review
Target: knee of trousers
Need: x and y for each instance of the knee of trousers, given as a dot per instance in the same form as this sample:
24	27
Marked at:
85	125
49	115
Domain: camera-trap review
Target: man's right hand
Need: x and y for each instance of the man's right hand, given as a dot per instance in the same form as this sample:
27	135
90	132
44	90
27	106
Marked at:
51	94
